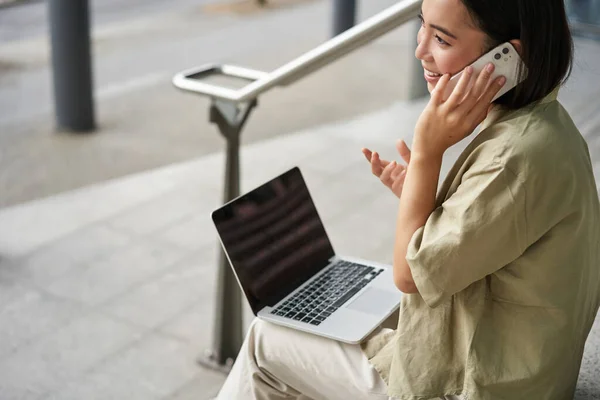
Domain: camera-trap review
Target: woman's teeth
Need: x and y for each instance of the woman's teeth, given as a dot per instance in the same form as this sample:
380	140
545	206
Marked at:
433	75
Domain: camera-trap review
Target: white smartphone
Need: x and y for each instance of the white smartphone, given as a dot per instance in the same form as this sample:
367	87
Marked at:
508	63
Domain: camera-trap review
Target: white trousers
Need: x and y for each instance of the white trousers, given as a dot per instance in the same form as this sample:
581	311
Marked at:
277	363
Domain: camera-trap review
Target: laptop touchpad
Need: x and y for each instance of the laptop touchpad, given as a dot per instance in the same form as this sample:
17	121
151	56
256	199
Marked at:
374	301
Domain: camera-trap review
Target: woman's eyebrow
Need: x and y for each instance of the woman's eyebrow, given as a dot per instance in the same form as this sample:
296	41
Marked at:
439	28
443	30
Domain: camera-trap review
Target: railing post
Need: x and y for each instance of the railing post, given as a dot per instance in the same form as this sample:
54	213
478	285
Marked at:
344	15
227	334
584	17
71	64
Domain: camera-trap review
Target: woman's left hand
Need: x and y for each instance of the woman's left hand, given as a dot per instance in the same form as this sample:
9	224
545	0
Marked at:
445	123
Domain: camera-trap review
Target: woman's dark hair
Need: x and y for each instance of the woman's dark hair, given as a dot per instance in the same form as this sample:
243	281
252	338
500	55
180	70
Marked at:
547	45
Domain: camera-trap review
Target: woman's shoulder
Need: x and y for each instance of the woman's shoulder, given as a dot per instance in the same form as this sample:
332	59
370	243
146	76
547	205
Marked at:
534	139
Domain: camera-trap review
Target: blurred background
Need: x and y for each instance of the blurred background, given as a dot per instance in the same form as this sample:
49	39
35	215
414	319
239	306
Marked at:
137	48
108	259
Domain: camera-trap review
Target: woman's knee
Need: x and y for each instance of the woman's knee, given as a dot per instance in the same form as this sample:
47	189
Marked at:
261	329
269	340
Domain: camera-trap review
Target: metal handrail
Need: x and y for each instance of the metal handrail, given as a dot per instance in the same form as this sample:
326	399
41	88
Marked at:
305	64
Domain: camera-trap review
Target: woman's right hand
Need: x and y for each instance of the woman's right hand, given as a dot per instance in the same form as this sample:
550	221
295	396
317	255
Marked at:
391	174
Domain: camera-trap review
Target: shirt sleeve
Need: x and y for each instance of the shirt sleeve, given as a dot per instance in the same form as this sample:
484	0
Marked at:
478	230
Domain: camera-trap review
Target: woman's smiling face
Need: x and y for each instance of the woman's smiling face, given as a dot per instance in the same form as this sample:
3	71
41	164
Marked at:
448	40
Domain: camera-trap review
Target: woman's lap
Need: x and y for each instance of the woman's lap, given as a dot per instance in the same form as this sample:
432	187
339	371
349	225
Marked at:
276	362
296	362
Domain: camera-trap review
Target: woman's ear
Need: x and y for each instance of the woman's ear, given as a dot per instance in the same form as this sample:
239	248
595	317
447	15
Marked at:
517	45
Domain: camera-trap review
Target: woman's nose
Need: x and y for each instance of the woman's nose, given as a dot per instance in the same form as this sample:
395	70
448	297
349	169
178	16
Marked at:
421	52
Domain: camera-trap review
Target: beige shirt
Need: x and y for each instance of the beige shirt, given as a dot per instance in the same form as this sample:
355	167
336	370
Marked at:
507	267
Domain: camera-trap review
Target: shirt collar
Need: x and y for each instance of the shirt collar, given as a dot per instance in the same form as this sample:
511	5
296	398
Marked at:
498	111
551	97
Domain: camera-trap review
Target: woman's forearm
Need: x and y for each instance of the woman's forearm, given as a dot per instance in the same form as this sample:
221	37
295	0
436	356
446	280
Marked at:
416	205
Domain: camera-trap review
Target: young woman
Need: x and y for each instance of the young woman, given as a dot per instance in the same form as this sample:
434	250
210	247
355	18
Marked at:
501	271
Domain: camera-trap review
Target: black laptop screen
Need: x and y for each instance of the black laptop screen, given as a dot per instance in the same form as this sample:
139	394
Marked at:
274	238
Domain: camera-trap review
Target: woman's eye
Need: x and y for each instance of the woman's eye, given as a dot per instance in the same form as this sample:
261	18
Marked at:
420	16
441	41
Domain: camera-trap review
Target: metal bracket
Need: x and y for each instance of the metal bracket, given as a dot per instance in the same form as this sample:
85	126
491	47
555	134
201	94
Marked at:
227	335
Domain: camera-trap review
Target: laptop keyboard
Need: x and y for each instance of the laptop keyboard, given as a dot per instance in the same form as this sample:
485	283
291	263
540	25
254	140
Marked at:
317	301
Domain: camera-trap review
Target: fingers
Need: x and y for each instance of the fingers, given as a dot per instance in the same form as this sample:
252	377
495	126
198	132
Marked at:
438	93
386	175
482	105
368	153
398	183
462	87
403	150
398	172
388	172
376	167
483	80
377	164
480	86
392	174
484	90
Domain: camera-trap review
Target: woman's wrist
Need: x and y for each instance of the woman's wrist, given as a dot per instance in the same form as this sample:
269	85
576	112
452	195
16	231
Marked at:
426	148
426	155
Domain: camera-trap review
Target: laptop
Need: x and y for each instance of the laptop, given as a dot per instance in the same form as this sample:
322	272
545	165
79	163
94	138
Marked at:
288	270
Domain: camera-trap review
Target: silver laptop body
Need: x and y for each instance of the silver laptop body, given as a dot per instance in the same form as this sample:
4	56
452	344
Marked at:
285	264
